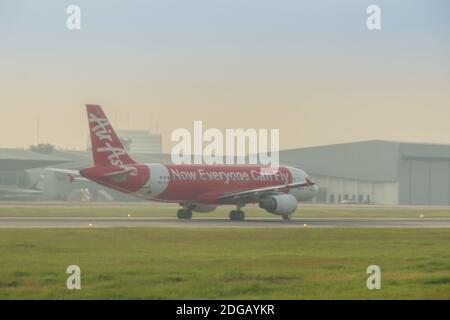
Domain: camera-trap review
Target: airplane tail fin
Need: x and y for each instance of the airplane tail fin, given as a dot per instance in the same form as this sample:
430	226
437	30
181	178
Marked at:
107	149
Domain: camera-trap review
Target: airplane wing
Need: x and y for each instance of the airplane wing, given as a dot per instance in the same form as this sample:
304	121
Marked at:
259	193
72	174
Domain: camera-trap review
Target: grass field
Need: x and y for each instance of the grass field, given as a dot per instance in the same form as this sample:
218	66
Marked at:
163	210
159	263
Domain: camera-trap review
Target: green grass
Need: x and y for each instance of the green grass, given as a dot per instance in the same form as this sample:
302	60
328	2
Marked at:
165	263
160	210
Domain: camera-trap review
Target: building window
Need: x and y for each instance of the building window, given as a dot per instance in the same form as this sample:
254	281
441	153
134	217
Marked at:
321	196
331	198
360	198
339	198
345	196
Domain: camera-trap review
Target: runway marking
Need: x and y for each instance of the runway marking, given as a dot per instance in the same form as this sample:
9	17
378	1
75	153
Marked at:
116	222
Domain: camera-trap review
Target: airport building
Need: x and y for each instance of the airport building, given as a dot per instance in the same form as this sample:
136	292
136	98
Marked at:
368	172
141	141
17	179
377	172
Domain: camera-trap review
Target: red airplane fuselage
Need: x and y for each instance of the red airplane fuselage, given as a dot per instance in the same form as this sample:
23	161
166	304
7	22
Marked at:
196	187
195	183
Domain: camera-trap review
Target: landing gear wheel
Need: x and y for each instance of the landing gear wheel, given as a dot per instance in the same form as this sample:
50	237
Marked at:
287	217
184	214
237	215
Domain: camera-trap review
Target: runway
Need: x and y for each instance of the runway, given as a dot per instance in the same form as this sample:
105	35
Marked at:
115	222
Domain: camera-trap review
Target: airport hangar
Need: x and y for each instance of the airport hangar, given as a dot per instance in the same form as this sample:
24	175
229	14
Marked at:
372	172
377	172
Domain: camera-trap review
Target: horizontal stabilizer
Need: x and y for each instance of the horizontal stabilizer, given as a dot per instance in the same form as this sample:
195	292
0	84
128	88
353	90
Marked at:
71	174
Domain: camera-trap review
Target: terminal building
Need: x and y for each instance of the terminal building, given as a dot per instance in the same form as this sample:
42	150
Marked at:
367	172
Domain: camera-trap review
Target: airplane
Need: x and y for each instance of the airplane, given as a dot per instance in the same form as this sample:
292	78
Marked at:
196	187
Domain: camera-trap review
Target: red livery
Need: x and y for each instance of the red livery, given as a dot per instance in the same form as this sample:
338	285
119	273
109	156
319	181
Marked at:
197	188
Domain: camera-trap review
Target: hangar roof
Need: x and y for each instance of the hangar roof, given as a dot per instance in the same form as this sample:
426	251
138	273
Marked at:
19	159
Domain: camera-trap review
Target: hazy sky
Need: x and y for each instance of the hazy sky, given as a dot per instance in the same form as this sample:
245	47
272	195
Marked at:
311	69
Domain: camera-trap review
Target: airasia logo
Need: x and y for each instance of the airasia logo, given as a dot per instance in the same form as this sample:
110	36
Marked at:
102	130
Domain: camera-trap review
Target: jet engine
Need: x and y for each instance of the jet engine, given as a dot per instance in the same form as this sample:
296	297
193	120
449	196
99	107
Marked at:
282	205
203	207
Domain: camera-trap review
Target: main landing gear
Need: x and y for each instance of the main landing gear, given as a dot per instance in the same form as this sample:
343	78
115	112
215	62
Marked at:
237	215
184	213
